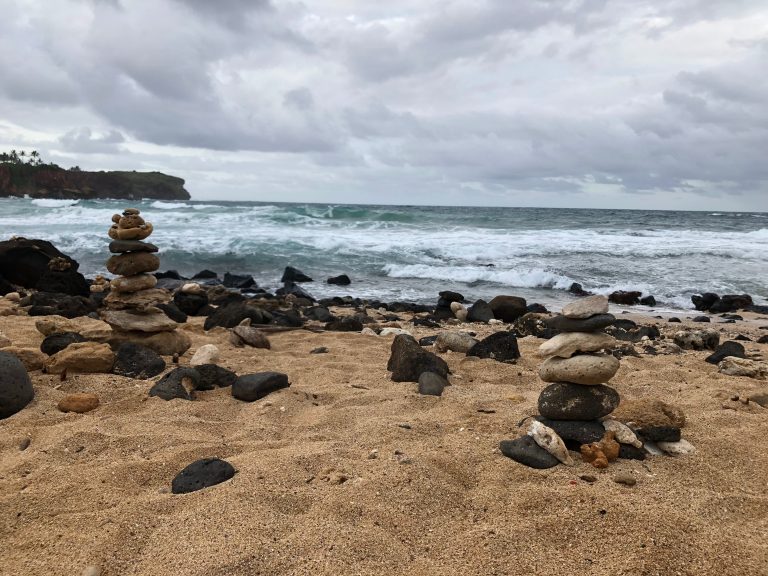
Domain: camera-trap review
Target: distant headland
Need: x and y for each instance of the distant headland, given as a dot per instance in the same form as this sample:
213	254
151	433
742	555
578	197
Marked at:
25	174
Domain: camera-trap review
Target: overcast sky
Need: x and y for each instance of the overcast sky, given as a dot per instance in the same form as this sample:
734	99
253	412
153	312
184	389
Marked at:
583	103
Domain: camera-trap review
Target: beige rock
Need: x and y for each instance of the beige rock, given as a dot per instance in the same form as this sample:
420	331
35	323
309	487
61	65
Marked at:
586	307
585	369
13	297
454	341
164	343
548	439
644	413
622	432
150	320
138	233
192	288
567	344
4	340
680	448
133	283
368	332
88	328
394	332
140	300
206	354
461	315
85	357
732	366
8	308
32	358
80	403
456	306
249	336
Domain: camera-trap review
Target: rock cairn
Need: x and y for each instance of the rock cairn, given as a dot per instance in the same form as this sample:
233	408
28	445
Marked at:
132	304
572	405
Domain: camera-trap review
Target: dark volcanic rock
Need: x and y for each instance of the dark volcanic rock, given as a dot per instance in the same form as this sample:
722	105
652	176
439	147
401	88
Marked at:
190	304
172	386
212	376
648	301
480	311
660	433
5	287
430	340
534	324
702	319
501	346
57	342
172	311
448	296
593	324
508	308
291	274
294	289
319	313
578	290
169	275
46	304
341	280
239	281
431	384
137	361
757	309
64	282
576	432
627	298
629	452
763	339
674	320
624	323
23	262
250	387
205	275
345	324
408	360
566	401
731	303
635	334
15	386
704	302
426	322
727	348
536	308
120	246
230	315
525	451
202	474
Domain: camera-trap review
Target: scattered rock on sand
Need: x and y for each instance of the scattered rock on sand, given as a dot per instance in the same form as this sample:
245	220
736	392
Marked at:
583	369
508	308
680	448
250	387
622	433
567	344
480	311
500	346
586	307
85	357
697	339
176	384
32	358
454	341
206	354
727	348
648	413
567	401
80	402
202	474
213	376
58	342
525	451
408	360
15	386
319	350
732	366
249	336
431	384
625	478
4	340
137	361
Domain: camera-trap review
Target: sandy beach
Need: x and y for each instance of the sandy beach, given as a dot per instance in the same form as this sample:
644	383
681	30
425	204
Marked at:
347	472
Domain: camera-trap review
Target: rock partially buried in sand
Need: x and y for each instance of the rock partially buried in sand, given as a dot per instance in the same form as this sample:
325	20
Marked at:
206	354
454	341
431	384
213	376
31	358
137	361
80	403
202	474
697	339
58	342
586	307
733	366
408	360
249	336
84	357
250	387
599	454
501	346
680	448
178	383
525	451
648	413
567	344
567	401
15	386
548	439
585	369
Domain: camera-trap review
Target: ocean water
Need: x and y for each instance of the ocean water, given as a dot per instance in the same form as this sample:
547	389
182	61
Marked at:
411	253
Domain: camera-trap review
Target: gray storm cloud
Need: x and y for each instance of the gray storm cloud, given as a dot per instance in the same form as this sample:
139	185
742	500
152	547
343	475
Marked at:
577	102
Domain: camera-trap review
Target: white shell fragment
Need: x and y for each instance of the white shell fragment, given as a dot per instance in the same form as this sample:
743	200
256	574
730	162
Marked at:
679	448
623	433
548	439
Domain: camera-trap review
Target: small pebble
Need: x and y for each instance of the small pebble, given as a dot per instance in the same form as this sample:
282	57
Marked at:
320	350
404	425
24	444
588	478
92	571
373	454
626	479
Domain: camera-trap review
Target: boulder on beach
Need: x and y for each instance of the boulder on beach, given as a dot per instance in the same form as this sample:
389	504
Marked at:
508	308
408	360
291	274
15	386
500	346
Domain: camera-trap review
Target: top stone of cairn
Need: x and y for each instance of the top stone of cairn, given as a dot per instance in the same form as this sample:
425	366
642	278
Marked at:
129	226
586	307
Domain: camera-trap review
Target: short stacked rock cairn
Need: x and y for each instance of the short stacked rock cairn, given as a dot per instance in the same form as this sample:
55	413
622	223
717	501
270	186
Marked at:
574	407
133	300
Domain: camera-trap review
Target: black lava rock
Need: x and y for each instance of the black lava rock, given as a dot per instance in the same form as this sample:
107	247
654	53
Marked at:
173	312
508	308
15	386
648	301
660	433
342	280
171	385
674	320
731	303
480	311
64	282
704	302
578	290
567	401
345	324
629	452
627	298
137	361
239	281
525	451
5	287
23	262
594	323
536	308
189	303
319	350
57	342
727	348
408	360
635	334
426	322
763	339
500	346
202	474
250	387
701	319
46	304
205	275
429	340
295	290
319	313
576	432
431	384
212	376
624	323
449	296
169	274
230	315
291	274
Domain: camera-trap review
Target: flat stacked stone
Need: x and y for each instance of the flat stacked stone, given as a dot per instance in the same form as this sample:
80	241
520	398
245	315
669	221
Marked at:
132	302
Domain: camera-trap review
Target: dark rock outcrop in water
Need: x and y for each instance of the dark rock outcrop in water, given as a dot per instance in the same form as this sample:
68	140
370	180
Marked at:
711	302
26	262
50	181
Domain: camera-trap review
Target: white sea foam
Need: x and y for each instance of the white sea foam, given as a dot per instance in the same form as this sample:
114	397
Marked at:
160	205
53	203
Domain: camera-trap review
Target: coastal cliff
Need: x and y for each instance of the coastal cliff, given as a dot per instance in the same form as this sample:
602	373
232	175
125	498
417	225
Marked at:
50	181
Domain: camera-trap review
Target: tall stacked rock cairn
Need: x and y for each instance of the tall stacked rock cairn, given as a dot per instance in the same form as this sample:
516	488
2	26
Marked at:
132	304
576	401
